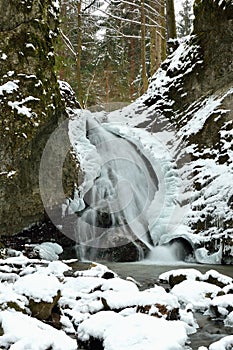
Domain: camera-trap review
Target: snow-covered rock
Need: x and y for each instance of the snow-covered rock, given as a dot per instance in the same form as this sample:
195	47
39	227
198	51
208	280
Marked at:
37	286
48	250
95	310
225	343
196	293
221	306
21	332
117	332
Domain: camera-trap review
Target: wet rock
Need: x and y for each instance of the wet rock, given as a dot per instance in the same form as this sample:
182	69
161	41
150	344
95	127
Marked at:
91	344
108	275
221	306
125	252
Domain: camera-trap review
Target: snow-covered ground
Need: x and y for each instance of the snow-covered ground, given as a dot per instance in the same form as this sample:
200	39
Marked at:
97	306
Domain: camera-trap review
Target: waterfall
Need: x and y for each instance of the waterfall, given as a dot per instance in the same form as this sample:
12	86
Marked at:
173	253
128	190
117	201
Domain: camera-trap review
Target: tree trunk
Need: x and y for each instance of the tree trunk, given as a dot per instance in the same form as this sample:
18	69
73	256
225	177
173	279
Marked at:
171	20
132	68
160	34
143	48
153	39
163	31
79	54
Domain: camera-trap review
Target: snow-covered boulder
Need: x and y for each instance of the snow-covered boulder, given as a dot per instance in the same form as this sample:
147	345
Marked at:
133	332
24	332
42	291
196	293
174	277
221	306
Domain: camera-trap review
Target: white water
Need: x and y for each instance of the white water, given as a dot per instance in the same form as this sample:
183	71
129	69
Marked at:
121	194
170	254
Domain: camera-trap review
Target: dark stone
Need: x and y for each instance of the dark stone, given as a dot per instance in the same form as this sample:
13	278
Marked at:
37	234
162	311
108	275
173	280
127	252
91	344
215	281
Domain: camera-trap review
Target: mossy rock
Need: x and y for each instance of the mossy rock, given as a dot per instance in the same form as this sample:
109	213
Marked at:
43	310
219	294
12	305
15	306
27	33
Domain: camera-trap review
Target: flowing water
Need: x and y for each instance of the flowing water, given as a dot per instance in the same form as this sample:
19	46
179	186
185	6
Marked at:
131	195
120	196
147	275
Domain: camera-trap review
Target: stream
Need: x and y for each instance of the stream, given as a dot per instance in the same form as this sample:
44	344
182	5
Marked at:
147	274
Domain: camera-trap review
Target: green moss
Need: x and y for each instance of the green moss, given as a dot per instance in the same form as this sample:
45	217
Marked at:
15	306
23	138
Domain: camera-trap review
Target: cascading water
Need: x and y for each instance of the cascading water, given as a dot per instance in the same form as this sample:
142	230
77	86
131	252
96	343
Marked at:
116	204
129	189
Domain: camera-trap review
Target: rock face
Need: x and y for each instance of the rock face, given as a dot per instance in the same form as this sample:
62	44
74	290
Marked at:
210	86
30	103
203	116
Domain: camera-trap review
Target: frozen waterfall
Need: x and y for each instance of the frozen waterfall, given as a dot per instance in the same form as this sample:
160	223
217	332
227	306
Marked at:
129	186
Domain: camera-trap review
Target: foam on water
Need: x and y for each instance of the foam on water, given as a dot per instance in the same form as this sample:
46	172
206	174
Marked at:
170	254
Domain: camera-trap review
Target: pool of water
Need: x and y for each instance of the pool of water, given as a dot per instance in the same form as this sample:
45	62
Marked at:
147	274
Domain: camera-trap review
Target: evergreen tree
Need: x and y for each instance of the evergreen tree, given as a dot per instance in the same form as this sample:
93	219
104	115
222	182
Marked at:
184	25
108	52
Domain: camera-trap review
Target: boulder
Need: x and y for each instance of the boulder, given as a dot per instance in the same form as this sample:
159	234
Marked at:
43	310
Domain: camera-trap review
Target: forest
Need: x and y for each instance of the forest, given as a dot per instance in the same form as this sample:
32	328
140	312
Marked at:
108	50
